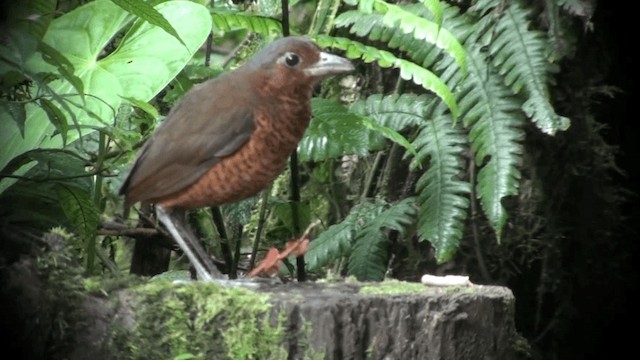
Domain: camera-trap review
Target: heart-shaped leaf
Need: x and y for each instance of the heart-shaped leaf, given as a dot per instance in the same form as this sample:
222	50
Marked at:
144	62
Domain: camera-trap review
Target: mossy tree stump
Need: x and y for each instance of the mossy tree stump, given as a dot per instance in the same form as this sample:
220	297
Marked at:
58	314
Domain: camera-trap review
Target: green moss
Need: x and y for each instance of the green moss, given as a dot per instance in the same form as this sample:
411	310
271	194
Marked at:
200	321
61	296
522	347
393	287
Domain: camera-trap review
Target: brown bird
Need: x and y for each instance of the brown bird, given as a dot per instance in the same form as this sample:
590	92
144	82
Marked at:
229	137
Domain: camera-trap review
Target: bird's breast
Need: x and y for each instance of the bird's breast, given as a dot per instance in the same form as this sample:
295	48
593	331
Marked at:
254	165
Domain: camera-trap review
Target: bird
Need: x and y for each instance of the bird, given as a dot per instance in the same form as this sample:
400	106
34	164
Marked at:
229	137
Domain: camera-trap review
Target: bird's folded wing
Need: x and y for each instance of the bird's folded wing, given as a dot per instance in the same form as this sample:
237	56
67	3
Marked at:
193	138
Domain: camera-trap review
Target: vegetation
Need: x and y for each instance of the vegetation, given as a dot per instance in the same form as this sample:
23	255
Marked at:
464	143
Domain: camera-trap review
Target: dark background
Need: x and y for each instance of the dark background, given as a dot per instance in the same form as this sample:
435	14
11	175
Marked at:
608	315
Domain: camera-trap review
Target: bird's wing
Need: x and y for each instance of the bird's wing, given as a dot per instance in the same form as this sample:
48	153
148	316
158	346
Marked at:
206	126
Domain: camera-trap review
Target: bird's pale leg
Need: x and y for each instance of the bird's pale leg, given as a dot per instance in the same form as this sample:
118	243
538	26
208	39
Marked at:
205	269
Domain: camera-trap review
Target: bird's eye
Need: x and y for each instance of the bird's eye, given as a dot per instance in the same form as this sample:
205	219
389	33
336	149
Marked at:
291	59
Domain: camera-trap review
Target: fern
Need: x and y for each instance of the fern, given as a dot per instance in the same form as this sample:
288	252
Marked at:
227	21
334	131
491	112
407	22
369	256
361	237
442	196
397	112
324	17
520	56
385	59
336	241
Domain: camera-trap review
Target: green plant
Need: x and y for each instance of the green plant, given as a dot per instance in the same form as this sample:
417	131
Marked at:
452	82
75	75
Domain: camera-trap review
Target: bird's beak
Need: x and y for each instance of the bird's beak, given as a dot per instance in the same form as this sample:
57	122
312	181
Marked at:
329	64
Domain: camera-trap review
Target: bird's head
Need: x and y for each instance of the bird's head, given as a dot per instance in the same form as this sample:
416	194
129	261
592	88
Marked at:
294	63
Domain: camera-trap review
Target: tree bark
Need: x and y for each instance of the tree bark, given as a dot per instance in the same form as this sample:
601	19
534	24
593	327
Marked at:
388	320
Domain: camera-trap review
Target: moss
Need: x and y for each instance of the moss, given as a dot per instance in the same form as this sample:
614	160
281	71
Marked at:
60	296
522	347
200	321
391	287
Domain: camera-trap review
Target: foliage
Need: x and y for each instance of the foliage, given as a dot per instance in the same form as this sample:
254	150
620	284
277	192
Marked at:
486	75
427	151
362	237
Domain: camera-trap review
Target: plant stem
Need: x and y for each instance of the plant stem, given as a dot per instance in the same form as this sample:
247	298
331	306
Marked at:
368	182
261	221
218	219
486	277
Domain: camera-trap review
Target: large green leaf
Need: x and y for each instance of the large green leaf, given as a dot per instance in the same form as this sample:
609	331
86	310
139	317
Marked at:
144	62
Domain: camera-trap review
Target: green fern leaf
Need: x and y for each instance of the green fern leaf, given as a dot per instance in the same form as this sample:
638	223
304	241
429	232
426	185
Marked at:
491	111
369	255
412	24
435	8
334	131
442	197
324	17
422	29
389	133
336	241
408	70
520	56
398	112
227	21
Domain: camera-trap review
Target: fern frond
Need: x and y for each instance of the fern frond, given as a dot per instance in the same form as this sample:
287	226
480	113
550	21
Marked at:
520	56
227	21
330	245
397	112
324	17
389	133
398	20
442	196
369	256
334	131
408	69
336	241
492	113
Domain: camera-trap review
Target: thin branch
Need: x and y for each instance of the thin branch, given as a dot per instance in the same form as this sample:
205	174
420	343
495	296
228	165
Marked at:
369	183
218	220
261	221
130	232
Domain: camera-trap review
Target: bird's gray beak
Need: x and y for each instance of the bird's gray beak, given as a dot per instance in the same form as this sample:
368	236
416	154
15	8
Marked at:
329	64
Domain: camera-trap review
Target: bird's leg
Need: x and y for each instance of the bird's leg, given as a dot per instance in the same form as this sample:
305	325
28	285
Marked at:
202	263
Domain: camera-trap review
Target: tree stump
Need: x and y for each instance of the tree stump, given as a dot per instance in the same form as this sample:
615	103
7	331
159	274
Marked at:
67	316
